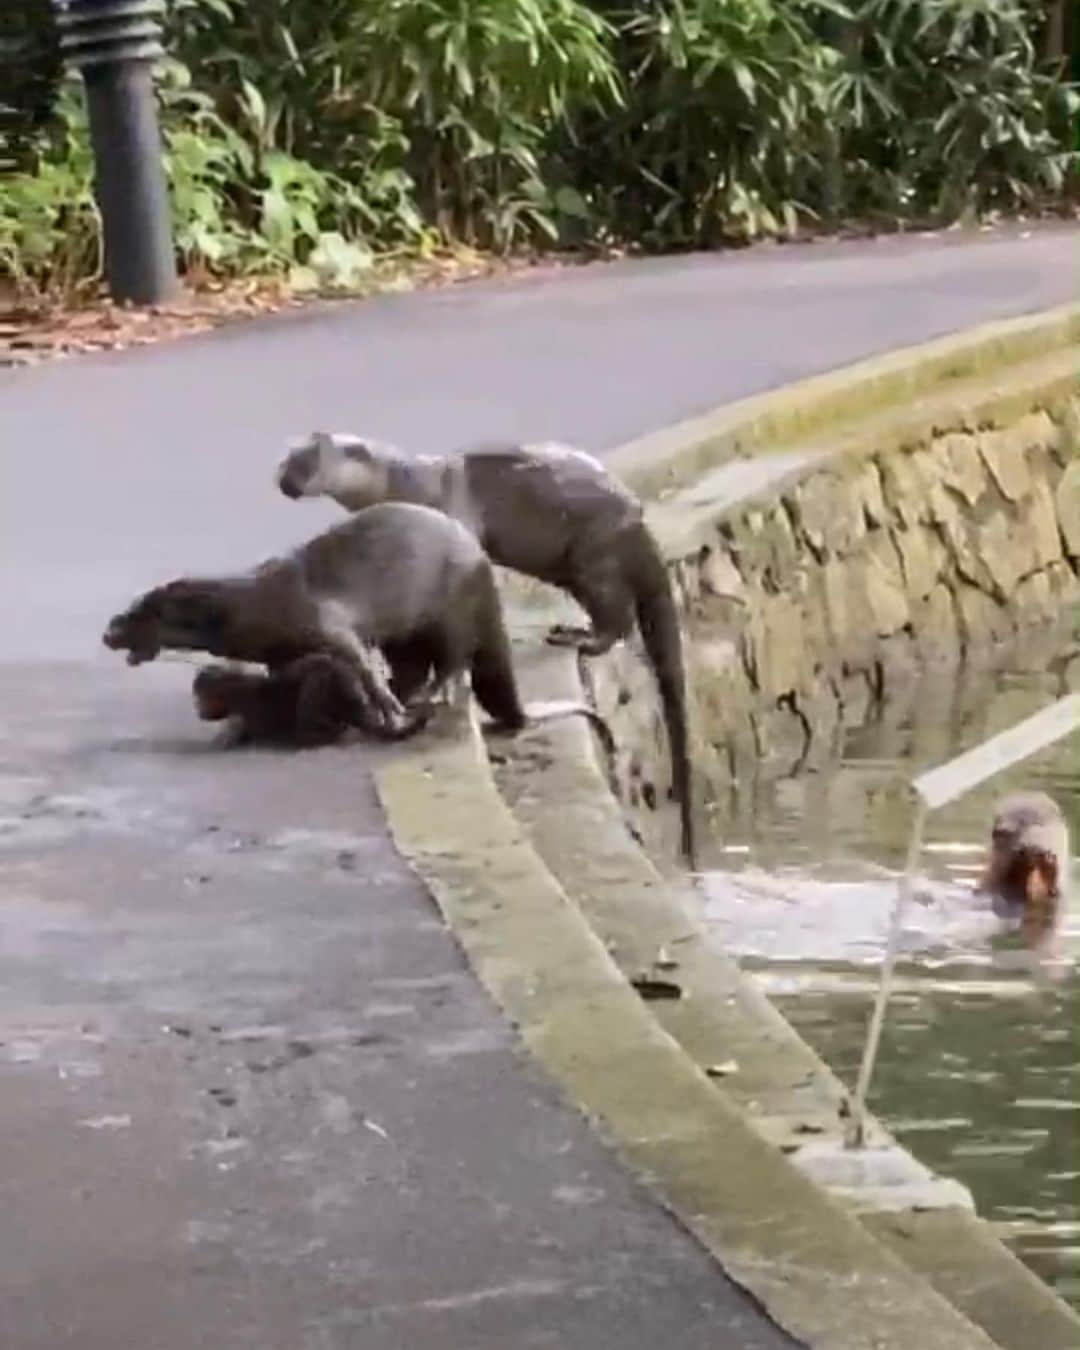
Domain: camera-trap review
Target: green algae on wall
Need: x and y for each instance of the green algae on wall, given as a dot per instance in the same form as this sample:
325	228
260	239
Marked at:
804	607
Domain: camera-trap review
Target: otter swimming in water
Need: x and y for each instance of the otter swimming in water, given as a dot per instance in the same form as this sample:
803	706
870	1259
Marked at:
1026	874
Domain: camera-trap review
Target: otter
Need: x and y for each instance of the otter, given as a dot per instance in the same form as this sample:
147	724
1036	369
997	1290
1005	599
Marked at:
1027	869
549	511
400	577
310	702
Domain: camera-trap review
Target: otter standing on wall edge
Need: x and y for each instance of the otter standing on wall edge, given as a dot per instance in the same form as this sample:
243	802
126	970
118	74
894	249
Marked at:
402	578
549	511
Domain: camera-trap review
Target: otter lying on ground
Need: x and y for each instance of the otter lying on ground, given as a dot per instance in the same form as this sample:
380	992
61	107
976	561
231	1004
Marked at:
312	702
548	511
309	702
400	577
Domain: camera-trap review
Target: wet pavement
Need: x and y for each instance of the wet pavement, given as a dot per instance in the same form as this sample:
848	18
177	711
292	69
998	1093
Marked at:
251	1095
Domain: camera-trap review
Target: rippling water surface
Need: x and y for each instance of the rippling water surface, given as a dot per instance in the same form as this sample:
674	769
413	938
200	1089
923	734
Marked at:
979	1070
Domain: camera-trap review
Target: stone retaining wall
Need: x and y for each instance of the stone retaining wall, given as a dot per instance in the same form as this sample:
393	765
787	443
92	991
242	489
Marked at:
803	608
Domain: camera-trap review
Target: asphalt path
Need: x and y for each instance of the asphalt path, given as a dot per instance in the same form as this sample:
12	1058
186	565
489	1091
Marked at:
122	469
250	1094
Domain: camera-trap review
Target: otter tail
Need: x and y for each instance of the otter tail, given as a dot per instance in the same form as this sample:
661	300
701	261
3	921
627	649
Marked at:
659	623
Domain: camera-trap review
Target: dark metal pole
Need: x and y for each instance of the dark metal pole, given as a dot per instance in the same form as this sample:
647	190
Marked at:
114	43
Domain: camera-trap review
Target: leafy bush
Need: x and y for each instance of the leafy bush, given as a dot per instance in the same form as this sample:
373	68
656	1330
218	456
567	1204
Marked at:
239	207
234	211
480	85
436	110
317	136
29	77
50	233
945	109
295	80
724	120
747	117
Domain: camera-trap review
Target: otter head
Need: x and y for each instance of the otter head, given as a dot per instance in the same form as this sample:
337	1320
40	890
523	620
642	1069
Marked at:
1029	859
217	691
182	615
333	464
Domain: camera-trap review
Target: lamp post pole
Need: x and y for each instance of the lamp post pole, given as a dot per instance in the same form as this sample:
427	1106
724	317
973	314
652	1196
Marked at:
113	44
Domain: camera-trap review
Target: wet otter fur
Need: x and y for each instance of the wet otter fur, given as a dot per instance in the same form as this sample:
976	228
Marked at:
1027	867
400	577
549	511
310	702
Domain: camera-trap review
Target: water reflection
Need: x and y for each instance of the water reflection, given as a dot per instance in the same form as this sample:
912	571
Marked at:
982	1085
978	1071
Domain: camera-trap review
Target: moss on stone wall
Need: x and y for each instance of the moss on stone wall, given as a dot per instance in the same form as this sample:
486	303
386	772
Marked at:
803	609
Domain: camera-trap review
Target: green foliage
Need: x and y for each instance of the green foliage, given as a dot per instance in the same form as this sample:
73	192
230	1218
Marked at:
209	168
235	211
239	207
437	111
480	85
946	109
50	234
309	139
29	77
722	131
747	117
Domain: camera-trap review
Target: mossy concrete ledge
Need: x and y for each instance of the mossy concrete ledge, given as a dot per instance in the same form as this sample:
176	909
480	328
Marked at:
663	460
816	1269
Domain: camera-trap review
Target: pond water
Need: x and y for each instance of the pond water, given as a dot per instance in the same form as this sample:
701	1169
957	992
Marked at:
979	1070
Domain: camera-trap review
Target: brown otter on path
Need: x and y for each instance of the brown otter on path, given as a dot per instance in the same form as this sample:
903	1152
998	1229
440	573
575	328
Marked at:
310	702
399	577
1027	869
549	511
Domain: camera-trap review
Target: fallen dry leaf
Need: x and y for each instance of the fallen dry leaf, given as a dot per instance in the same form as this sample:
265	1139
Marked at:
652	989
728	1067
34	332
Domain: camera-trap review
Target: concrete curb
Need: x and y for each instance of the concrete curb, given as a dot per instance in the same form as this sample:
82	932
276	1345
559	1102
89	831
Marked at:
801	412
688	513
811	1264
